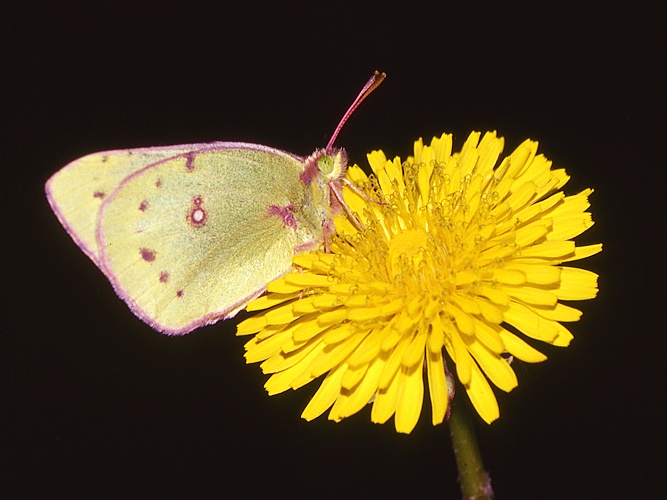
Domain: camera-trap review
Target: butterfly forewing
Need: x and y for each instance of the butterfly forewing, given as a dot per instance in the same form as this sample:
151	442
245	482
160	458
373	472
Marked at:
190	239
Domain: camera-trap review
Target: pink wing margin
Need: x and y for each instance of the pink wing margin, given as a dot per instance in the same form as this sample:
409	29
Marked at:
100	258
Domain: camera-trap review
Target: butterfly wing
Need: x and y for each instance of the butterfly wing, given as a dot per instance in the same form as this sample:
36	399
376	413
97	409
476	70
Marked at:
189	240
77	191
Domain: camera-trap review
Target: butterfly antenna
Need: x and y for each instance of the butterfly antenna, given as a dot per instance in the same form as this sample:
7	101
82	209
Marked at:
370	86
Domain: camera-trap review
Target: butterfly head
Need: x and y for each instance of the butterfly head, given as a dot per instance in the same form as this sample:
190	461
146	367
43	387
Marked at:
328	165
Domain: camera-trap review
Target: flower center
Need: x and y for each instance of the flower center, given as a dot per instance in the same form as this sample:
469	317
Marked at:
406	251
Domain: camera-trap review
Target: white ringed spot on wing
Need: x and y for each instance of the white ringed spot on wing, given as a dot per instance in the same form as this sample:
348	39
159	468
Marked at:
197	214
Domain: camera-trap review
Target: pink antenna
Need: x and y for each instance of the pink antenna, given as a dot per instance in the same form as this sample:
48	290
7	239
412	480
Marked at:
370	86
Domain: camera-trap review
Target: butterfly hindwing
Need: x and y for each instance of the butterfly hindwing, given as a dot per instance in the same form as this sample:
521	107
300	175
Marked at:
78	190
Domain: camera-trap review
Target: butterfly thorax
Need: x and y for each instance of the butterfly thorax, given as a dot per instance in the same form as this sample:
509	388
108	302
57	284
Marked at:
322	174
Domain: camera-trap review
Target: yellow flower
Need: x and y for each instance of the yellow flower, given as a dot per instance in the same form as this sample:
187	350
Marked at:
461	256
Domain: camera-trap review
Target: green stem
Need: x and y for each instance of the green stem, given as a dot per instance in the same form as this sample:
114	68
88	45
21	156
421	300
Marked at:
475	482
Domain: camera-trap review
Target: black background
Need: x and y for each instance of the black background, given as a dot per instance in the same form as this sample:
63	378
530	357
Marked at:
98	403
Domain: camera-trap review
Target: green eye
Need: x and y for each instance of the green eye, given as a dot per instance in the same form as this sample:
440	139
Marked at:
325	165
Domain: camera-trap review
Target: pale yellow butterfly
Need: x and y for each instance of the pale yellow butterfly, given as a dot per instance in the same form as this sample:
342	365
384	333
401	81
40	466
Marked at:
189	234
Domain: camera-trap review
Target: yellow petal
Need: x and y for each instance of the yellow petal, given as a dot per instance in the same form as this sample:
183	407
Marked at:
282	287
577	284
361	395
268	300
332	317
490	312
338	333
281	381
530	323
284	360
251	325
487	334
495	295
442	147
508	276
411	397
392	365
363	313
259	350
332	356
565	229
414	352
368	349
564	336
463	321
585	251
461	358
538	274
559	313
481	395
325	395
306	330
532	295
437	386
280	316
352	377
436	339
549	250
307	280
384	404
519	349
495	367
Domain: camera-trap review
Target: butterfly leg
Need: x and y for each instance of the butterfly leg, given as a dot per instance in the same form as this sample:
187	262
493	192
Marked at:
338	194
360	192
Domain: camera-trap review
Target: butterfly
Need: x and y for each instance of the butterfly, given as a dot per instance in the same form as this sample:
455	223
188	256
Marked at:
189	234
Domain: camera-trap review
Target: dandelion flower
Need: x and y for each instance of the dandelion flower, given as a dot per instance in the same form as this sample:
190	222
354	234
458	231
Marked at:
454	269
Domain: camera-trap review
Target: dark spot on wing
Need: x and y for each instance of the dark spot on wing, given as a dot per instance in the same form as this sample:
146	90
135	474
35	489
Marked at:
189	163
147	254
286	213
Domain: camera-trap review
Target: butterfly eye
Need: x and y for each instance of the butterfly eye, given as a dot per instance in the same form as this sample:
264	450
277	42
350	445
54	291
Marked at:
331	166
325	165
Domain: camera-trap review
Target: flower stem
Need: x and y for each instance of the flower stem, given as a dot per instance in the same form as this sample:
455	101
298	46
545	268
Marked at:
475	482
